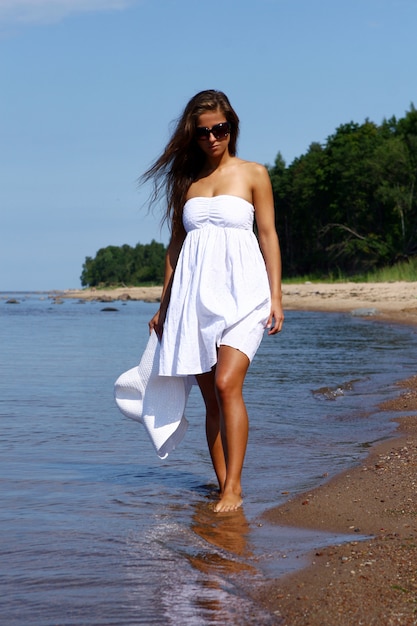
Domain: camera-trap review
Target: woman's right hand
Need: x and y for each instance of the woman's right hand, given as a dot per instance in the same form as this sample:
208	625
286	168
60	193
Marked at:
156	324
171	258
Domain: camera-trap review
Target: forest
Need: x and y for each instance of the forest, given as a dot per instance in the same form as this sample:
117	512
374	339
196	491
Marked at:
124	265
344	207
349	205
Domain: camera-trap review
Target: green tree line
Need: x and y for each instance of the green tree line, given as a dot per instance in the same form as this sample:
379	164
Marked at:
125	265
345	207
350	205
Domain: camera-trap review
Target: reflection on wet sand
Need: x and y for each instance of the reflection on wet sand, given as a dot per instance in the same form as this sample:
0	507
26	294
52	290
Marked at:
226	531
228	534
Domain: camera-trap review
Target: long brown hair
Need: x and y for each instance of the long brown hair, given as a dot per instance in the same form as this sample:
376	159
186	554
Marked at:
182	160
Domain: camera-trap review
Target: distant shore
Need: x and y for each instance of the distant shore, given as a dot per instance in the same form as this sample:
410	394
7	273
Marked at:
146	294
396	300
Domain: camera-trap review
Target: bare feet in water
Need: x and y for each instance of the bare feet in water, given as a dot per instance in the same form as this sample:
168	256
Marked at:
229	501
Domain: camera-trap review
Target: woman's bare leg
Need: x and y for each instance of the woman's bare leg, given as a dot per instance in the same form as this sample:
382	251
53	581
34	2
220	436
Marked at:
232	366
206	383
226	423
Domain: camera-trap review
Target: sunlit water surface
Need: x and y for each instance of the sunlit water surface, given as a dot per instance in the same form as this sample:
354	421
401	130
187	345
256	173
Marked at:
97	530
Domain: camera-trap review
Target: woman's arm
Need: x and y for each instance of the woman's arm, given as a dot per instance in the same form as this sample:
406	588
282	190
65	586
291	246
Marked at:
171	258
263	201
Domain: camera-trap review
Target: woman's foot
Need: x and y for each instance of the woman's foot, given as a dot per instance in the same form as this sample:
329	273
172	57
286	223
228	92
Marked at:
229	501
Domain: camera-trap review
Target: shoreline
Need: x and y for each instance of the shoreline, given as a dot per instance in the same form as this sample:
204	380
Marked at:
370	581
394	301
123	294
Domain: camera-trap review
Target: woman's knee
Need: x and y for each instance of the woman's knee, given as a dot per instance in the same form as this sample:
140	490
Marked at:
227	386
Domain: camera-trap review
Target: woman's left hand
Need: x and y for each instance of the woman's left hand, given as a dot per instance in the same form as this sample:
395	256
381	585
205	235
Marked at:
276	318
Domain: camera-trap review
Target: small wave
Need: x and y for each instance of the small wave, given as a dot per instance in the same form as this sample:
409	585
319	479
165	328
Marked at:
332	393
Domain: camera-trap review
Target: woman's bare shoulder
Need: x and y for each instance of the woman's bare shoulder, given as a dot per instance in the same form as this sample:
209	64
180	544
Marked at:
255	173
253	167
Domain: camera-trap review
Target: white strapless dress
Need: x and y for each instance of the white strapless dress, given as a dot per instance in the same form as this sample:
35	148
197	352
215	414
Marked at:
220	292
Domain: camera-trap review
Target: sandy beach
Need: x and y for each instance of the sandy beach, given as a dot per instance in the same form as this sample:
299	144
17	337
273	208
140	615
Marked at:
396	300
371	581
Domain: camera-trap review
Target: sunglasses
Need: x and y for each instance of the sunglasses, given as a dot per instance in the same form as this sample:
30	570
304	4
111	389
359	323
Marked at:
219	131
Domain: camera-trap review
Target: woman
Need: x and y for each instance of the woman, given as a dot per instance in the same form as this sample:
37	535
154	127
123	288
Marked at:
220	292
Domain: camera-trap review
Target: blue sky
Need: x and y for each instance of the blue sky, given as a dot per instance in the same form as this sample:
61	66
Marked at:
89	90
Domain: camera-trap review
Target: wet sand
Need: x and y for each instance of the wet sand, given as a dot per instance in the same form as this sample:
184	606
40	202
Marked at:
374	581
371	582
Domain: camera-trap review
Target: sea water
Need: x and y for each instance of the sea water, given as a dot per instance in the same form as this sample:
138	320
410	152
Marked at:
97	530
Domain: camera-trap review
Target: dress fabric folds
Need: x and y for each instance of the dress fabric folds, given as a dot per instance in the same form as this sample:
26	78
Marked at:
220	292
